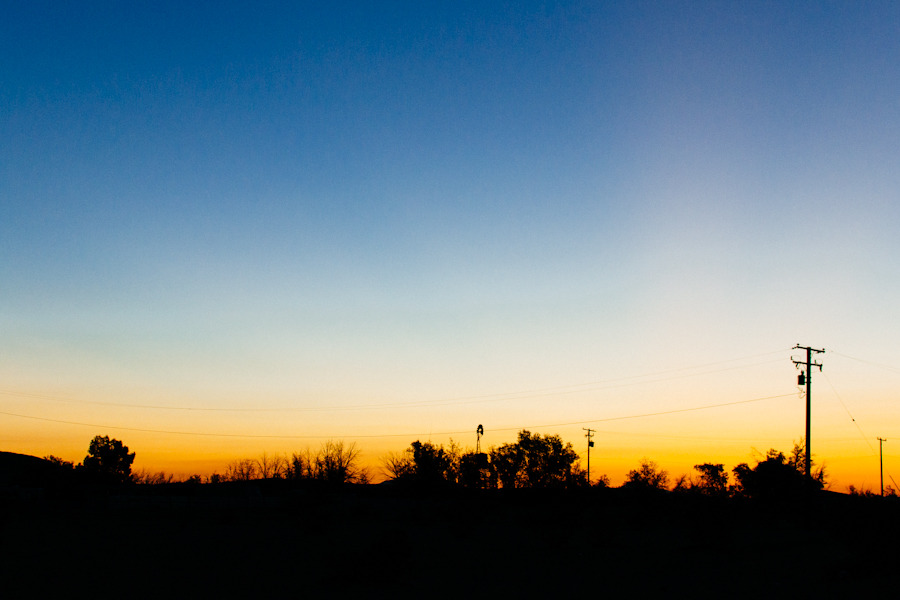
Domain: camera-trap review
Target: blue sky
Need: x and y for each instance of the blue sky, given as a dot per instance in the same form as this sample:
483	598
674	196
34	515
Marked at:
298	206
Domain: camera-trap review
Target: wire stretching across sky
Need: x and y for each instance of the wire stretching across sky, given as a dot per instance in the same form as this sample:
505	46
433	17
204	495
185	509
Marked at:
852	418
893	369
391	435
592	386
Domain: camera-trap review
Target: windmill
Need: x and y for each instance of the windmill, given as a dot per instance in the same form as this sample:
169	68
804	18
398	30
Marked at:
479	462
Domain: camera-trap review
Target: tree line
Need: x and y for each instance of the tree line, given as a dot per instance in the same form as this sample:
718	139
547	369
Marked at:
536	461
533	461
109	461
333	463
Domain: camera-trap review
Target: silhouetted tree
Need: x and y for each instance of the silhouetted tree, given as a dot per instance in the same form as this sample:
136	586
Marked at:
577	477
648	476
108	460
683	484
475	470
713	480
601	482
506	462
535	461
299	466
336	463
453	454
797	459
271	467
425	463
241	470
429	464
398	466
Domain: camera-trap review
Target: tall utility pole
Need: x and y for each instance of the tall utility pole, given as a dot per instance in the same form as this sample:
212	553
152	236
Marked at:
589	435
881	462
806	377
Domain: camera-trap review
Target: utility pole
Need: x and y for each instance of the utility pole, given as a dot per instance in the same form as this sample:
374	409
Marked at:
881	462
589	435
806	377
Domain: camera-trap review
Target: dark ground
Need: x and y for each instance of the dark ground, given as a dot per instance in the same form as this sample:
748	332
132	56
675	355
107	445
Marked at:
271	539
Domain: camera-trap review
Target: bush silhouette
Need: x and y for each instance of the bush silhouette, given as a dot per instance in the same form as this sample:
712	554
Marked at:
647	476
778	475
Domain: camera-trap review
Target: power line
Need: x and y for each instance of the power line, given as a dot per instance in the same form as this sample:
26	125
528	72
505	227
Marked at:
838	396
868	362
499	397
387	435
864	436
718	440
654	414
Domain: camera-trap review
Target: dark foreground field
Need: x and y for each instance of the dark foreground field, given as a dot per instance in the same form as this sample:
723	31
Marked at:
377	541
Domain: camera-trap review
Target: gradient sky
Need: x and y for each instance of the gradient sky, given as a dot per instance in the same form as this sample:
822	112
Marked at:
228	229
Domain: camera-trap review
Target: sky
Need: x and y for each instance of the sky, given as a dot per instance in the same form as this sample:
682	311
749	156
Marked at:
230	229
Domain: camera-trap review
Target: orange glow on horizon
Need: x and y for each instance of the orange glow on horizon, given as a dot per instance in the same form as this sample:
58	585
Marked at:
674	420
847	461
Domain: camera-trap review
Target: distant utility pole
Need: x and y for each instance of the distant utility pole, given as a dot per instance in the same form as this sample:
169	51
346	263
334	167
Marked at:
589	435
806	377
881	462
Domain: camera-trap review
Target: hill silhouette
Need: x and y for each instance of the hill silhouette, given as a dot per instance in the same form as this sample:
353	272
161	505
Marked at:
27	471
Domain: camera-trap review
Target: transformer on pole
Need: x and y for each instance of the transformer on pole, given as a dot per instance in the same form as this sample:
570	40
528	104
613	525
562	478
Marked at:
805	377
589	435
